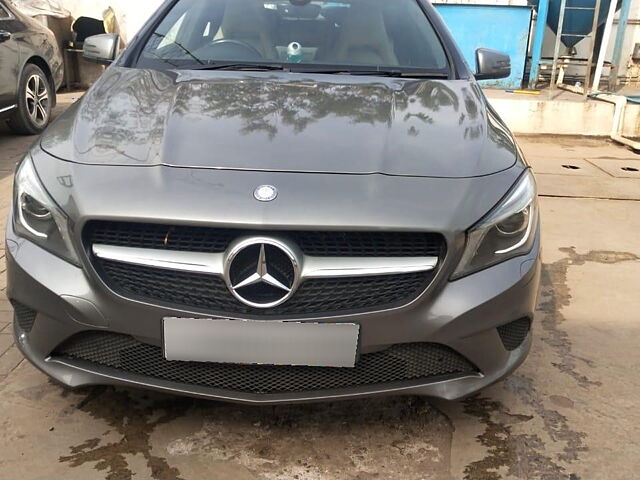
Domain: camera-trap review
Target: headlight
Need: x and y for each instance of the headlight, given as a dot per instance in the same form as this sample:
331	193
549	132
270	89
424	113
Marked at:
37	217
506	232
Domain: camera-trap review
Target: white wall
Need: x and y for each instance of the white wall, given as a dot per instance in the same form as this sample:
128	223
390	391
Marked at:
131	14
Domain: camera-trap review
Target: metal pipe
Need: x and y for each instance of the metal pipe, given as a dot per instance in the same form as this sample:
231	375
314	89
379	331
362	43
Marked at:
617	126
556	50
596	19
620	102
538	40
617	50
604	45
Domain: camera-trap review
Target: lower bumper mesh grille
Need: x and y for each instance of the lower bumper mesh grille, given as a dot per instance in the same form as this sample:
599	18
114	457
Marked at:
405	362
25	316
514	333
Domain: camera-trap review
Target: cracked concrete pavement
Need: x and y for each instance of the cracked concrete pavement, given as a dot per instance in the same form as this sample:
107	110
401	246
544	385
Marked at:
570	412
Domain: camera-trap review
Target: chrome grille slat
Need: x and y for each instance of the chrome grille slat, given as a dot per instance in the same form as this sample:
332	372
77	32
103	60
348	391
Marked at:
313	267
311	243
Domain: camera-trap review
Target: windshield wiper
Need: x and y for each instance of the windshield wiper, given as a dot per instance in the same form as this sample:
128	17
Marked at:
383	72
181	47
240	66
401	73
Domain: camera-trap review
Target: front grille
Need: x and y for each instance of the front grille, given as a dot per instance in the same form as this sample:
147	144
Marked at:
25	317
314	297
404	362
312	243
514	333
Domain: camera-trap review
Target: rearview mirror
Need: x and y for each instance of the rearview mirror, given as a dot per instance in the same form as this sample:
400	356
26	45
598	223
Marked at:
492	65
101	48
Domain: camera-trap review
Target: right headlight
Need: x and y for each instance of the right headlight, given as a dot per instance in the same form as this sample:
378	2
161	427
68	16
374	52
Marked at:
508	231
37	217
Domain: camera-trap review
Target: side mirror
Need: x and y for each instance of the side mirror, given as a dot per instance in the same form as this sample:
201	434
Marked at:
492	65
101	48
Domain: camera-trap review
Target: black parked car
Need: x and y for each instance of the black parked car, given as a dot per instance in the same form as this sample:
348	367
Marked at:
30	71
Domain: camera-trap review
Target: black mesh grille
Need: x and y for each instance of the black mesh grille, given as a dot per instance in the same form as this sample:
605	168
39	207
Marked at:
205	239
25	317
314	297
405	362
514	333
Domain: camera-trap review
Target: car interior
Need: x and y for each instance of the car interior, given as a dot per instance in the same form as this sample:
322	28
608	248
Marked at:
350	32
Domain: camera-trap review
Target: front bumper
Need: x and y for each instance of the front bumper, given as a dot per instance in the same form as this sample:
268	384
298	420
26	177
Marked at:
463	315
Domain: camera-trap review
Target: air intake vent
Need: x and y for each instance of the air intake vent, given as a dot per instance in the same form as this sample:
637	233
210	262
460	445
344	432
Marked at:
405	362
25	317
514	333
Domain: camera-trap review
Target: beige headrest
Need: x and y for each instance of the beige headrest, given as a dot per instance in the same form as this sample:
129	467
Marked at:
363	30
246	20
243	17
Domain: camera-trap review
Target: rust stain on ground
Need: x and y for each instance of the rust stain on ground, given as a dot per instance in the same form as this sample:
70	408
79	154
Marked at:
401	438
393	438
135	421
555	424
376	438
555	295
523	455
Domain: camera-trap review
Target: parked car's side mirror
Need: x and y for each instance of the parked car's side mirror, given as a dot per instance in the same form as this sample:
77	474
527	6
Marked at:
101	48
492	65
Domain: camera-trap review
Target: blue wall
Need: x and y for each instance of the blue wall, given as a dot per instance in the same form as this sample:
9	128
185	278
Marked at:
501	28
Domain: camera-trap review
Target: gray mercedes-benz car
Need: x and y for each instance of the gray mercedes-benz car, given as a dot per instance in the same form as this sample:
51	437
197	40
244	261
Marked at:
273	201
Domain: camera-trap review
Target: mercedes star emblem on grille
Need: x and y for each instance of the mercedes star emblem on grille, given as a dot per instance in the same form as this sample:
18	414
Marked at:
265	193
262	272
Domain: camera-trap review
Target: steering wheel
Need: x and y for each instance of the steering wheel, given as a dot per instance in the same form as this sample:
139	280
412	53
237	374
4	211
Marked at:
236	49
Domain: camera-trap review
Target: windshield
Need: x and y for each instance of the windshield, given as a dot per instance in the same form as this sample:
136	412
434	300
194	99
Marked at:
364	34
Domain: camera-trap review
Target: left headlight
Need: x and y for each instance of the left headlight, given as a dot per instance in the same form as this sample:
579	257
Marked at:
37	217
508	231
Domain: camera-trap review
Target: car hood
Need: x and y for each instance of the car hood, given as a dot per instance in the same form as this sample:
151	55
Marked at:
284	122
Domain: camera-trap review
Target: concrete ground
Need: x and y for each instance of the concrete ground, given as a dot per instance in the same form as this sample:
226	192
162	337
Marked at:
570	412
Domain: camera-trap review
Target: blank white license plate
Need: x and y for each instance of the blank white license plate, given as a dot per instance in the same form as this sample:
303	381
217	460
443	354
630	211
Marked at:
261	342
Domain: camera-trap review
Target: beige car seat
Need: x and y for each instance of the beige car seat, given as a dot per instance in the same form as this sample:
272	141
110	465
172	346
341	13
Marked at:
363	38
245	20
